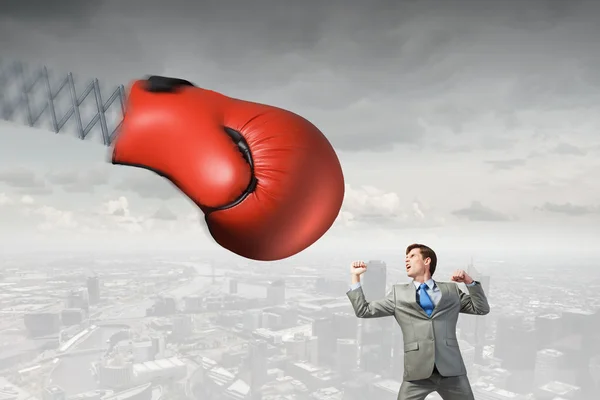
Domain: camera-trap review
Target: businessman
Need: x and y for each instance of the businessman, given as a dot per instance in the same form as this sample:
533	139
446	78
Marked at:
427	312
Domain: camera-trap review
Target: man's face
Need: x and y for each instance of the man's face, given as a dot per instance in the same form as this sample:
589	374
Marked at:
415	265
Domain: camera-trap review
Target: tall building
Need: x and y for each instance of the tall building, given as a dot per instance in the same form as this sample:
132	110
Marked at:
347	357
78	298
257	367
346	325
325	331
579	343
549	366
549	329
516	347
398	353
475	326
376	335
374	281
42	324
93	288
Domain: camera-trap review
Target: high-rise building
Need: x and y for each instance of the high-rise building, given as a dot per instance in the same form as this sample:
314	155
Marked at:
397	353
71	316
257	367
548	330
78	298
475	326
325	331
579	343
347	357
93	288
346	325
42	324
515	346
376	335
549	366
374	281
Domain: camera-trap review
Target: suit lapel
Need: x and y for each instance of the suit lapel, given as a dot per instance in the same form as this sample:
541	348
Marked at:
411	299
444	296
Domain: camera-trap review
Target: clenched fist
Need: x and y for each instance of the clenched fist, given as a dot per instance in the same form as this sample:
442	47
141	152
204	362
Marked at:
358	268
461	276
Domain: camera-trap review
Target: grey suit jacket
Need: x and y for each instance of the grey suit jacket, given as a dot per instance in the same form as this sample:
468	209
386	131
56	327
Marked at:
428	341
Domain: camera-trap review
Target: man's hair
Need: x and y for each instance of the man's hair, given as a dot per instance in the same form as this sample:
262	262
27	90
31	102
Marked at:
426	252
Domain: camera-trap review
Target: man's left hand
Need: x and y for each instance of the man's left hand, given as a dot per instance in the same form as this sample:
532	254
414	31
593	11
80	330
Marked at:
461	276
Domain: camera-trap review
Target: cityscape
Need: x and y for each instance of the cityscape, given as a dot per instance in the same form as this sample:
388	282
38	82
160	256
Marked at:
468	126
192	328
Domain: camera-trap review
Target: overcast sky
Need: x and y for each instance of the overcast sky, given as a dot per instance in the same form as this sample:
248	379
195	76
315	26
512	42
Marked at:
468	125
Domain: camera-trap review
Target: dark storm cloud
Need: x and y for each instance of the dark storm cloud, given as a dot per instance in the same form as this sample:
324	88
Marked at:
477	212
368	73
569	209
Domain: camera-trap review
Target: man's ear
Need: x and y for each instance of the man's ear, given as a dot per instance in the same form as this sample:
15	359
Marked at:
427	261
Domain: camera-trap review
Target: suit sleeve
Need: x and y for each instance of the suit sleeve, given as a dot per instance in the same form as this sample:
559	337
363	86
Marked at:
374	309
475	302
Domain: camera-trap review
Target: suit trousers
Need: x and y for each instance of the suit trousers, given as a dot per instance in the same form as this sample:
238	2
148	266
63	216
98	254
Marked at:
449	388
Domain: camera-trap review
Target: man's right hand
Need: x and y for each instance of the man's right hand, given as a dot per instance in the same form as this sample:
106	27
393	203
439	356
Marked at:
358	268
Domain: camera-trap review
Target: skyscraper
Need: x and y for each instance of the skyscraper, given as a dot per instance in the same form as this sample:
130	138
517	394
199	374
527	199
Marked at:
93	288
376	335
325	331
477	323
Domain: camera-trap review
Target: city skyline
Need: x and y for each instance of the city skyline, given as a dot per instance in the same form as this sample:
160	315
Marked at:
469	126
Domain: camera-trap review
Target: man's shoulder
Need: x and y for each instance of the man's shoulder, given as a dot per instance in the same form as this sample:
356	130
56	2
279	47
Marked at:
447	283
402	284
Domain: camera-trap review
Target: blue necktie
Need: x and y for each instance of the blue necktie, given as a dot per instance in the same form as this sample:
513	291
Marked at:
425	300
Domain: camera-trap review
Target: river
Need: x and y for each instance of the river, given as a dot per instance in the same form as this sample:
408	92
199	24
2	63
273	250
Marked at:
73	374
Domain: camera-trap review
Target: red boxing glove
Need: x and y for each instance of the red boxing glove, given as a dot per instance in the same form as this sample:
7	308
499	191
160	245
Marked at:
267	180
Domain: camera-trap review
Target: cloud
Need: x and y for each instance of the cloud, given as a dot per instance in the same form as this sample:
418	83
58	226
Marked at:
25	212
5	200
78	181
20	177
148	185
569	209
477	212
27	200
164	214
507	164
367	206
459	74
25	181
569	149
55	219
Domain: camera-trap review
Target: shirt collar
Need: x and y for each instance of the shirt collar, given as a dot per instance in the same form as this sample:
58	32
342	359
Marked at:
430	284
